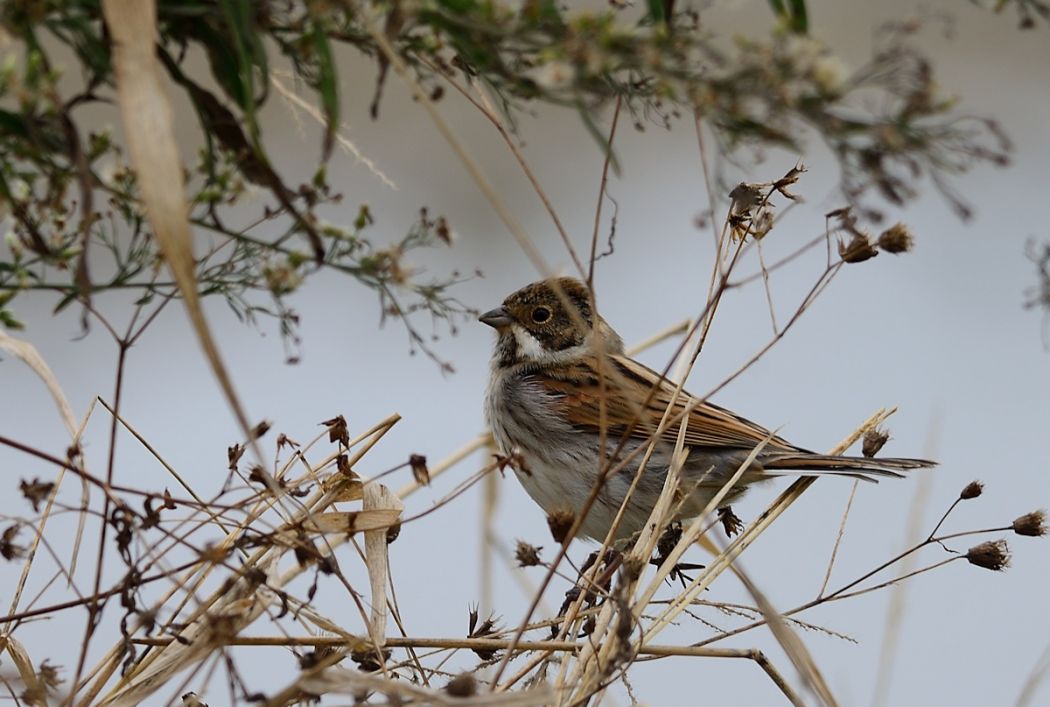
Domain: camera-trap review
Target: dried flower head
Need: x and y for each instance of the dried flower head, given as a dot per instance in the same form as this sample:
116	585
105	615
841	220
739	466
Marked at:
527	555
370	660
874	439
972	490
338	430
857	250
896	239
48	675
991	555
10	550
744	198
1031	524
515	460
35	491
731	523
463	685
485	629
233	455
418	464
792	177
560	523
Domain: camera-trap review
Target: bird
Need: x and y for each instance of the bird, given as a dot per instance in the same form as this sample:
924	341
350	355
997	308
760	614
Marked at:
567	407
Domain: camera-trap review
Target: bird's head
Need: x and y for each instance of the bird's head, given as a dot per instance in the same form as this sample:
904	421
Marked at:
550	321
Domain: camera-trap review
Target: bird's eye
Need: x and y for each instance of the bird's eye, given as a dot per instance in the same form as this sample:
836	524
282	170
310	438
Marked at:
541	314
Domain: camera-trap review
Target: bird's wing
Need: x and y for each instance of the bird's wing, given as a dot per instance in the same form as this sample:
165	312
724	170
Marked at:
635	400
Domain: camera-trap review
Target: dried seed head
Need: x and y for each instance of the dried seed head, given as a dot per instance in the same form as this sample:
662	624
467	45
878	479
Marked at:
588	626
10	550
35	491
463	685
782	184
233	455
515	460
1031	524
284	440
731	523
560	523
762	223
857	250
668	540
48	674
418	463
896	239
368	659
338	430
874	439
527	555
972	490
744	197
991	555
483	630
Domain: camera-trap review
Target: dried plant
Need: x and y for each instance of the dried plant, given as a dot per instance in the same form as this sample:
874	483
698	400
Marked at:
70	190
242	563
287	531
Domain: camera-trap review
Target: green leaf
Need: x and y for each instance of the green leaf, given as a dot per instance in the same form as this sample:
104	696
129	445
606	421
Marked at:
9	321
656	12
327	85
792	14
81	33
12	124
250	55
223	61
64	302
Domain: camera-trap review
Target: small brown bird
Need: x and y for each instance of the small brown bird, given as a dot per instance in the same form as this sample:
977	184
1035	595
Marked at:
544	406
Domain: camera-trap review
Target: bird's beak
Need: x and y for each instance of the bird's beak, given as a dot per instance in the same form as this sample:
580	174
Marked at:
497	318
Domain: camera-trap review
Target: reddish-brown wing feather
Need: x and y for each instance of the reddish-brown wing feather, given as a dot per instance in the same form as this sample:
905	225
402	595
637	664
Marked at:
635	400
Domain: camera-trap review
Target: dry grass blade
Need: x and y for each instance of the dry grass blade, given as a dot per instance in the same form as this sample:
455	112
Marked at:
724	559
379	500
142	679
1035	678
693	534
156	455
469	163
353	682
203	637
898	604
296	101
149	129
838	538
35	692
591	664
28	354
675	329
489	111
368	520
790	642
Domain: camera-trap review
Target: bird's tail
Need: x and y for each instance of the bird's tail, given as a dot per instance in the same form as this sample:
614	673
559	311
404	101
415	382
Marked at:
865	468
